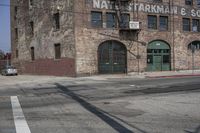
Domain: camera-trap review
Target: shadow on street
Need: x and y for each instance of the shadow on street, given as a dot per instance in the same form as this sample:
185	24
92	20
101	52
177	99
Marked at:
96	111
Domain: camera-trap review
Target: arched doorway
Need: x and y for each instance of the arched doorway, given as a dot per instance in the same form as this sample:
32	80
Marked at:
158	56
193	55
112	57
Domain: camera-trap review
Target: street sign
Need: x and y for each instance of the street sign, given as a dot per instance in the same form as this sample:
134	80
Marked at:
134	25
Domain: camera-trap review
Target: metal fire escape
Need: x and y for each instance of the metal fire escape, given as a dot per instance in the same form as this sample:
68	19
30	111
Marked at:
131	31
128	29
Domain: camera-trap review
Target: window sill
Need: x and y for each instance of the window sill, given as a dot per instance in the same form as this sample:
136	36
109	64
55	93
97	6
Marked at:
189	5
163	30
57	59
56	30
192	32
195	32
152	30
96	27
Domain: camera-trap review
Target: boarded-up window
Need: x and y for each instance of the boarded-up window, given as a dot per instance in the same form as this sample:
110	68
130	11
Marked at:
16	10
31	2
32	53
31	27
17	53
57	51
56	17
16	33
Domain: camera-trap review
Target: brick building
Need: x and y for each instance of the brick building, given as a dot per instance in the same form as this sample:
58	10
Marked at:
78	37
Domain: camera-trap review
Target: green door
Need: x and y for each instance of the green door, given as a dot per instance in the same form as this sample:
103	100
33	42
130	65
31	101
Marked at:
112	57
157	62
158	56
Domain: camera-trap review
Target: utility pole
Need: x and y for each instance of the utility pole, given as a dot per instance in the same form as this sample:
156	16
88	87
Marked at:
137	36
7	63
173	36
193	51
172	29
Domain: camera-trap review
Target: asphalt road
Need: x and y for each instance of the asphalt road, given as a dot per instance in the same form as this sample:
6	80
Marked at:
85	105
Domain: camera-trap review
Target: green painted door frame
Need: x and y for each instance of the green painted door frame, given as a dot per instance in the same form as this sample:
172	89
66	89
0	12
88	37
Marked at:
158	56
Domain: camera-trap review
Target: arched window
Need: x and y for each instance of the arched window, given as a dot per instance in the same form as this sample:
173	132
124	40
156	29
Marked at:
195	45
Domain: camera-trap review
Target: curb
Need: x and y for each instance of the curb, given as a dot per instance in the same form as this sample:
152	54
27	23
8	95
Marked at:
174	76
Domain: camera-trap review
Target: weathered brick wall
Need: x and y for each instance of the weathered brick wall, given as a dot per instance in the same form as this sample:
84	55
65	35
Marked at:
88	39
80	42
60	67
45	35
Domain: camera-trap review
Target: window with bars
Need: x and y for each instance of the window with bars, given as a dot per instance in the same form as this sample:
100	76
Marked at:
152	22
195	46
195	25
157	0
198	2
186	24
96	19
125	18
111	21
125	5
188	2
163	23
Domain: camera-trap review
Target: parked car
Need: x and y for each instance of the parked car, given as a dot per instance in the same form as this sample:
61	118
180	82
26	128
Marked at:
9	70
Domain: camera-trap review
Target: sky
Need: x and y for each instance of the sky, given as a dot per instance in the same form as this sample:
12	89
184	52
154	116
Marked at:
5	26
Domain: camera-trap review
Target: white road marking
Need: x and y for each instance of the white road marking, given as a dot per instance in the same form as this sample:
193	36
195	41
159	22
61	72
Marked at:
132	85
19	119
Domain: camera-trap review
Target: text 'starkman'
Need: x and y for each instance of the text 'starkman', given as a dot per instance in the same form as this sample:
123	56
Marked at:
149	8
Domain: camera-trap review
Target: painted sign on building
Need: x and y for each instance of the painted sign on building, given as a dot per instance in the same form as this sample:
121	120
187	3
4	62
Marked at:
148	8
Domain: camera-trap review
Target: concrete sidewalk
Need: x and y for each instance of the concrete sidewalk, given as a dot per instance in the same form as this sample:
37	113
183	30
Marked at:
136	75
9	80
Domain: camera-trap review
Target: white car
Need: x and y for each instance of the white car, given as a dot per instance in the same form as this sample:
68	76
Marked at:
9	70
